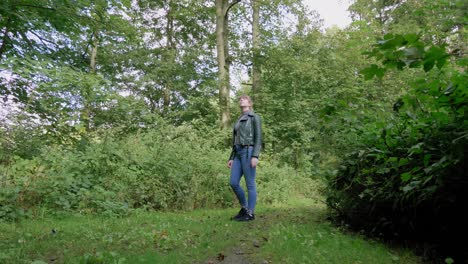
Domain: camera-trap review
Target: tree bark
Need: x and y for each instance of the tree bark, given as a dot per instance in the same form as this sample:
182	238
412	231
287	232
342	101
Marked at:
170	59
94	50
256	72
223	65
86	112
222	49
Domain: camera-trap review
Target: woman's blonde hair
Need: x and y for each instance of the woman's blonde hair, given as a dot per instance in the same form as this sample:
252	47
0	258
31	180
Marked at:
246	97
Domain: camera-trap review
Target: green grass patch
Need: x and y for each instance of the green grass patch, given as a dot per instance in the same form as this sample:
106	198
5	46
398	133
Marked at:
299	242
169	237
292	233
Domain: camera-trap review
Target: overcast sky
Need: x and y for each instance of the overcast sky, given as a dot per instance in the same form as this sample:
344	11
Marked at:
333	12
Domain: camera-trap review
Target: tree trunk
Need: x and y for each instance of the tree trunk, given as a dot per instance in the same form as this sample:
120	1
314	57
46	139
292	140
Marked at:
256	73
170	58
94	50
223	65
86	112
222	49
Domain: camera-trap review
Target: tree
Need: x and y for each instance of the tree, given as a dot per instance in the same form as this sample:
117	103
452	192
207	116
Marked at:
222	48
35	28
377	13
256	44
52	73
170	60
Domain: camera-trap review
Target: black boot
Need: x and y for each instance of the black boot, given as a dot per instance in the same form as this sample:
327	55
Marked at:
241	214
248	216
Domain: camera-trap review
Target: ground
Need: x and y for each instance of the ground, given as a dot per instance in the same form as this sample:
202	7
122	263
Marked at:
295	232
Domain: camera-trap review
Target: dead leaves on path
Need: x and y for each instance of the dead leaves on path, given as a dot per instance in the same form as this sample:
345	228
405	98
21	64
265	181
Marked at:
221	256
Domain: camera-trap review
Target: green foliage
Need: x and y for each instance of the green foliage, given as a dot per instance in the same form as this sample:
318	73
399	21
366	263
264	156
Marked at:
34	24
399	51
10	209
164	168
314	105
408	179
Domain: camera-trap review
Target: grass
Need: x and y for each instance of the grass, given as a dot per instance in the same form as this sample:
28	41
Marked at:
291	233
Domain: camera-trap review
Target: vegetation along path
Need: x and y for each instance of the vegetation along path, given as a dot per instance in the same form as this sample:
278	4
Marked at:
296	232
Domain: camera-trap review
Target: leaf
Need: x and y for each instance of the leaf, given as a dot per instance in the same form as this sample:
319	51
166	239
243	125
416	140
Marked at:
372	71
435	55
395	258
428	65
450	88
411	115
413	53
398	104
391	41
406	176
127	3
407	188
411	38
441	62
403	162
427	158
384	134
221	256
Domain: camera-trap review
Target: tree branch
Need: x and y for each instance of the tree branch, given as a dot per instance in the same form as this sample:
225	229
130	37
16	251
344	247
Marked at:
248	19
5	37
38	7
87	46
52	9
43	40
23	35
231	5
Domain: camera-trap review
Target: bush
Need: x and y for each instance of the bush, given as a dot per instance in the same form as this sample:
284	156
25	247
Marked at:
413	189
409	178
169	168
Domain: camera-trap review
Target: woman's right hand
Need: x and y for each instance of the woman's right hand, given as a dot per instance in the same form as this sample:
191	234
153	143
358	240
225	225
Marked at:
229	164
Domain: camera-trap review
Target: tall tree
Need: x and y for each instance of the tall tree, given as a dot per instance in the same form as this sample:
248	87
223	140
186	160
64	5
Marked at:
169	54
222	48
377	14
171	59
85	116
256	72
53	72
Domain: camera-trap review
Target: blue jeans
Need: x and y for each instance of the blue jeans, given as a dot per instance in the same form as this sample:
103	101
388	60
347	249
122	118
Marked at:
241	165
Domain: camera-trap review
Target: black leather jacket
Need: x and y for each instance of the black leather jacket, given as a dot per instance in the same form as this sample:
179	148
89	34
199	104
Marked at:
250	133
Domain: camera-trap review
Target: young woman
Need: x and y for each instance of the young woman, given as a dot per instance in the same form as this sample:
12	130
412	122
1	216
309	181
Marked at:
246	144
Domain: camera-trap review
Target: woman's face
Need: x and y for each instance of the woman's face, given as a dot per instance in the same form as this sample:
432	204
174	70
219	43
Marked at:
244	103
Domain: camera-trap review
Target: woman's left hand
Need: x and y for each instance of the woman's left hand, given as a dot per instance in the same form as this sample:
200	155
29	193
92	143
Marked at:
254	162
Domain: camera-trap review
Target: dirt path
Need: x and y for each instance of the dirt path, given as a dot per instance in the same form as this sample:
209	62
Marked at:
248	245
256	234
234	256
243	253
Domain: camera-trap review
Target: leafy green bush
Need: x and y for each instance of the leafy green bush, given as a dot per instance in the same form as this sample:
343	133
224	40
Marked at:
409	178
9	205
168	168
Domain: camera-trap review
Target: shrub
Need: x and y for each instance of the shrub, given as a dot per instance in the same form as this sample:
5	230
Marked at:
169	168
409	178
